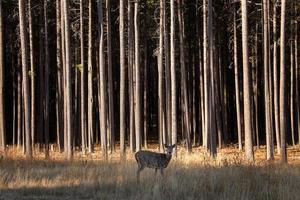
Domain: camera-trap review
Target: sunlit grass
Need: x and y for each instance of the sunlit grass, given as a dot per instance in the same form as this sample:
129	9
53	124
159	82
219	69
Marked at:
193	176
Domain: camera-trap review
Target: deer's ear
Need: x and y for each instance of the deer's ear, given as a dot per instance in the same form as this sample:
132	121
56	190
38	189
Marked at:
166	146
174	145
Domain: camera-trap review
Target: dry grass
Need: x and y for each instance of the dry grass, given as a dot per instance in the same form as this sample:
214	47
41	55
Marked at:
188	177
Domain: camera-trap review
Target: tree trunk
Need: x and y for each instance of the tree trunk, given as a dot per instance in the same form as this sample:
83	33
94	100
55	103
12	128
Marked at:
32	74
168	121
237	85
83	82
90	82
110	80
283	97
68	84
2	115
25	80
122	79
246	84
137	78
46	77
292	96
173	78
102	82
59	97
275	78
266	34
185	102
161	110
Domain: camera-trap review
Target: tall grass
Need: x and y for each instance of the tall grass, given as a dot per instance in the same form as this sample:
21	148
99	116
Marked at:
187	177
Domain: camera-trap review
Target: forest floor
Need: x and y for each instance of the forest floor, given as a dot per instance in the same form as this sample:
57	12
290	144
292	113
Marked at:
193	176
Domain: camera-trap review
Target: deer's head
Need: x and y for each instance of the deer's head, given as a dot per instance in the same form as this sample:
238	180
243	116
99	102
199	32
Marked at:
169	148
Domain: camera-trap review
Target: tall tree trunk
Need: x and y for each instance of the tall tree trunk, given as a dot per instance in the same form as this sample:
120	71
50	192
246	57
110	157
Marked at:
32	74
292	96
137	78
256	86
90	82
206	74
68	84
46	77
275	78
283	97
2	115
266	34
110	80
83	82
146	94
122	78
131	75
185	102
173	77
237	85
246	84
167	119
297	74
59	98
102	82
161	110
26	91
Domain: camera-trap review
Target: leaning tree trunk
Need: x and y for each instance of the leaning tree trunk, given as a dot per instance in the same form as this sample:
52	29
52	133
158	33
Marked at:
2	116
283	94
246	85
68	84
122	78
25	80
137	78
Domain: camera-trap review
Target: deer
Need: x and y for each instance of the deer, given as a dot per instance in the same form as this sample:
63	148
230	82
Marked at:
153	160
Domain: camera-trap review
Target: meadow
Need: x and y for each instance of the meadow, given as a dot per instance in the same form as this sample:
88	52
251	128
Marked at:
193	176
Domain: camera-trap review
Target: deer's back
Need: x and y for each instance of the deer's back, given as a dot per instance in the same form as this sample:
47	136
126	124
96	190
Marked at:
152	160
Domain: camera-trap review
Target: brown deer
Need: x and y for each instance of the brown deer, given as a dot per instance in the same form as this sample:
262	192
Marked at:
153	160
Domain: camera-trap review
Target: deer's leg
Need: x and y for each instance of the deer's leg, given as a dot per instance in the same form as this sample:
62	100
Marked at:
140	168
155	171
162	172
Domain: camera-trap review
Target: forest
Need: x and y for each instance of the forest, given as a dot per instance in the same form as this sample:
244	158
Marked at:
98	80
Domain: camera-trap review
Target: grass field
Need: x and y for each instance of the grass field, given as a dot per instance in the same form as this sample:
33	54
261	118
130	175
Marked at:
188	177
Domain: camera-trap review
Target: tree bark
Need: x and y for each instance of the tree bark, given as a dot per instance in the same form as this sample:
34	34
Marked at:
2	106
266	34
90	82
68	87
246	85
110	80
283	97
102	82
25	80
137	78
122	78
83	82
237	85
173	77
46	77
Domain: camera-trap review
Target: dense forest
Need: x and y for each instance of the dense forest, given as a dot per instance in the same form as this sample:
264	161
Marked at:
128	74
